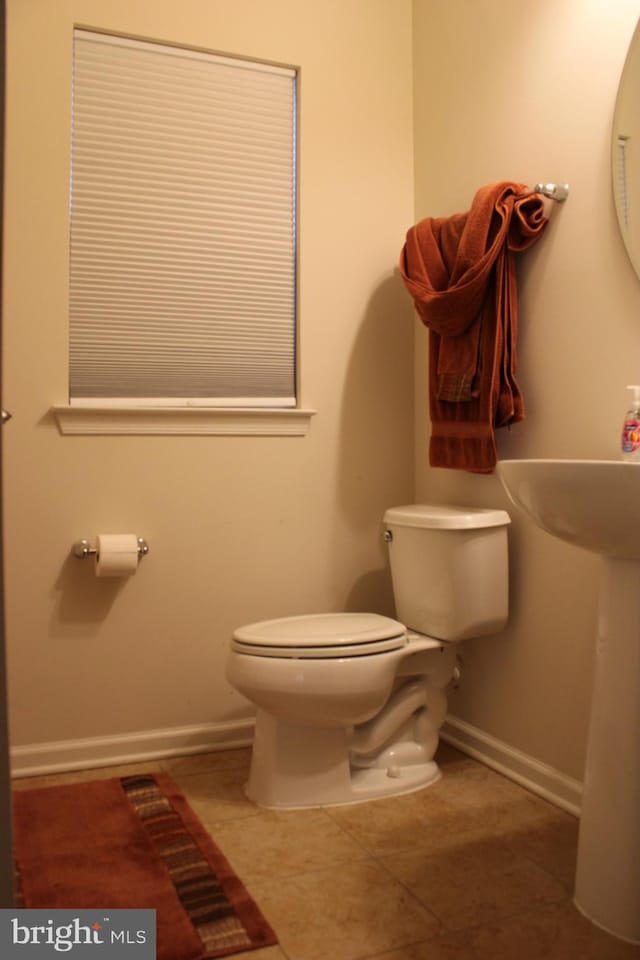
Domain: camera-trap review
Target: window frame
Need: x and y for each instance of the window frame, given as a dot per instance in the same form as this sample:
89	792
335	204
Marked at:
201	415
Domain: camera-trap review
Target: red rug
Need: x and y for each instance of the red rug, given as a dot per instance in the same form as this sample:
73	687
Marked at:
134	842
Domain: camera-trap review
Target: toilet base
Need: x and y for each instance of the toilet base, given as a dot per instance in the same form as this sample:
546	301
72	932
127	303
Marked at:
294	766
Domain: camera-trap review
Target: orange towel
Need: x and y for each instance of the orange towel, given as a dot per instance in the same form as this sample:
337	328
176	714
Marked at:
460	271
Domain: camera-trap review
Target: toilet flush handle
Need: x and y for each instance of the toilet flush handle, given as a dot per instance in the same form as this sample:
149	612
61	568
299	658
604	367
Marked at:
387	536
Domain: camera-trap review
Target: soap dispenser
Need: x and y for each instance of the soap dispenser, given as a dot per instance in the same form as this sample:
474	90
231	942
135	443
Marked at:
631	428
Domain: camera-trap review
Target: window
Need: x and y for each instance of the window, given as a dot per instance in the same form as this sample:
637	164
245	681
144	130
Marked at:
183	228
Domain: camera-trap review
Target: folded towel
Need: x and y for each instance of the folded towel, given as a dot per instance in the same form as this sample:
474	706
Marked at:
460	271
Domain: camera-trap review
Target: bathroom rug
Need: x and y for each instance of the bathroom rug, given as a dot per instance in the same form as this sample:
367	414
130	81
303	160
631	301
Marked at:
134	842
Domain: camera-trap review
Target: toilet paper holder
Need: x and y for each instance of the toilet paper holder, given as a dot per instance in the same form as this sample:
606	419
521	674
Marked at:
83	549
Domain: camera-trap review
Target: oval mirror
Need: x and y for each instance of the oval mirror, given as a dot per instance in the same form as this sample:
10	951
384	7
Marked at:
625	152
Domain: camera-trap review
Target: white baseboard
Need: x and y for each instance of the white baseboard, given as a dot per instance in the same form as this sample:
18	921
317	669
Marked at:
537	777
59	756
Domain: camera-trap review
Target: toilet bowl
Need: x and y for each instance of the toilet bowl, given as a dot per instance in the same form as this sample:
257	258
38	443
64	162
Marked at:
349	705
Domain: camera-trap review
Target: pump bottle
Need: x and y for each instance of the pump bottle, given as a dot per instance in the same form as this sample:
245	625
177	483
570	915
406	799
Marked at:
631	428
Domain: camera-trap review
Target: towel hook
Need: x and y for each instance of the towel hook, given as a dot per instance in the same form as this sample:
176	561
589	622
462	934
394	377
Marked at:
555	191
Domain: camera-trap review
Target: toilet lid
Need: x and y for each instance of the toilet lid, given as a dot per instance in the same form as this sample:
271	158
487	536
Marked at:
321	635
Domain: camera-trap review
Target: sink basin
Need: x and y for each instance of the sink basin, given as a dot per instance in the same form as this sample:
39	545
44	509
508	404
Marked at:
593	504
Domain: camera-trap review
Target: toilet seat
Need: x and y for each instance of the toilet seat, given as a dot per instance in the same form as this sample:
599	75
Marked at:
319	636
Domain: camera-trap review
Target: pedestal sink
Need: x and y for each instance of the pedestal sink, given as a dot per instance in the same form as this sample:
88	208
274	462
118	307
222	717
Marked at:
595	505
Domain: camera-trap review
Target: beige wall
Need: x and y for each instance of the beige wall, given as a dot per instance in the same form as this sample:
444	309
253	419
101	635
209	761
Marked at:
239	528
526	91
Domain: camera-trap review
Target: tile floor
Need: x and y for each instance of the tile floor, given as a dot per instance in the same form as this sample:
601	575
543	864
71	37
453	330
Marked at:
471	868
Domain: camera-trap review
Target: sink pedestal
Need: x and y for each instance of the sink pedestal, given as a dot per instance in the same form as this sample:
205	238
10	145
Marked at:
607	887
595	505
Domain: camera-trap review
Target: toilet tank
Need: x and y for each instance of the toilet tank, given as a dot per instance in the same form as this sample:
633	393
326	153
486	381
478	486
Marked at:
449	568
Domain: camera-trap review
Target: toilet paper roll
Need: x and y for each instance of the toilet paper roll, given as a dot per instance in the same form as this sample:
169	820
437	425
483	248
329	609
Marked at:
117	554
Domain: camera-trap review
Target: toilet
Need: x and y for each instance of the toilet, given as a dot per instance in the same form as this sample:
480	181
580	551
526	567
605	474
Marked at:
349	705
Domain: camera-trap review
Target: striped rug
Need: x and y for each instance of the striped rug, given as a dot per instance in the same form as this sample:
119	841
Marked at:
134	842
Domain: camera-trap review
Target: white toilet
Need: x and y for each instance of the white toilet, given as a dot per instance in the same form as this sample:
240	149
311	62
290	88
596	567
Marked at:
349	705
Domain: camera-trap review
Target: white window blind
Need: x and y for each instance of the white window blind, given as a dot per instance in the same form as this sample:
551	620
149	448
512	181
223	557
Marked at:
183	273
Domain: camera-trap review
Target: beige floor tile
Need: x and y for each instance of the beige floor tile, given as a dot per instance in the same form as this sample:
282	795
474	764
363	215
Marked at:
477	883
552	844
468	804
447	754
445	946
79	776
216	795
272	844
423	820
492	806
491	798
343	914
475	852
556	932
208	762
265	953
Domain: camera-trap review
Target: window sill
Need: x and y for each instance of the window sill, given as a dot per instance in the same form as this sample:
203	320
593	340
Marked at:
189	421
